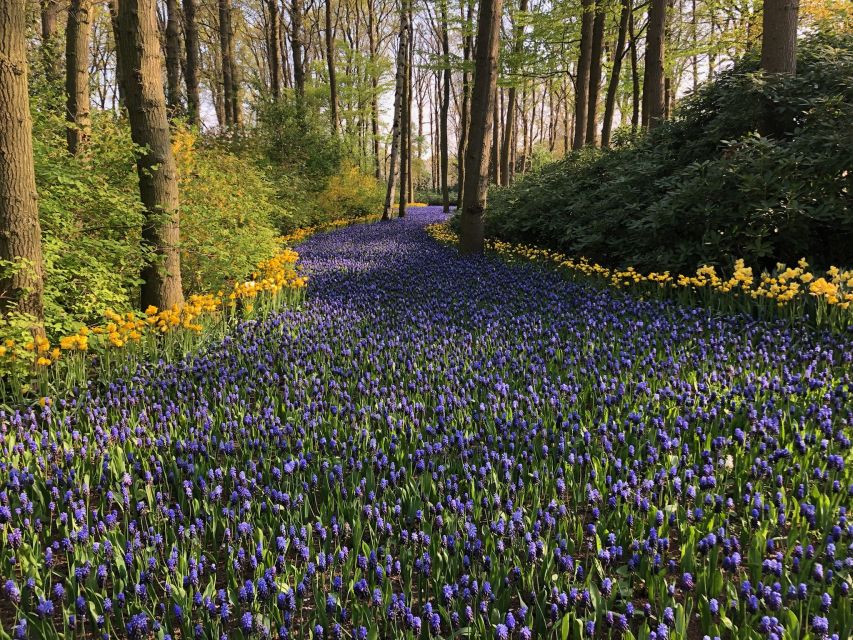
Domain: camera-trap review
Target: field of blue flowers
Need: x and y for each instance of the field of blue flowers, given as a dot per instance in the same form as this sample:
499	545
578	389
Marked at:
436	446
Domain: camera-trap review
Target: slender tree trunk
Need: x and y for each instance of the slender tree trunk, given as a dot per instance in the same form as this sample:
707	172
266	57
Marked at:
595	73
236	99
297	40
694	37
77	112
330	61
779	39
479	136
374	88
613	85
409	85
582	76
192	66
509	124
225	58
405	111
22	287
275	69
654	106
465	114
173	57
635	76
445	107
141	74
399	91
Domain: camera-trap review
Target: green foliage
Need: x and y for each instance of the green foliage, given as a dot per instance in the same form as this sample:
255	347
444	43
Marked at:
705	188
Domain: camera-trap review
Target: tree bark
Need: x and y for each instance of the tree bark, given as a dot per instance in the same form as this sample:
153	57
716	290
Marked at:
405	111
399	90
141	74
275	73
613	85
465	111
236	100
22	287
77	109
445	108
173	57
374	88
297	39
225	59
595	73
779	40
330	61
654	105
479	136
509	124
635	76
192	66
49	44
582	75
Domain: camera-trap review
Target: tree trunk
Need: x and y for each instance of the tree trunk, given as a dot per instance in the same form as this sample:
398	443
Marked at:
613	86
225	58
509	124
445	108
141	74
330	60
399	90
653	79
236	100
173	57
49	44
779	42
77	36
582	75
465	111
192	66
405	111
479	136
297	40
635	76
22	287
275	73
374	88
595	73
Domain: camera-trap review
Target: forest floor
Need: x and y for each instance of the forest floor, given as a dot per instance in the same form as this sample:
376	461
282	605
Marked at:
453	442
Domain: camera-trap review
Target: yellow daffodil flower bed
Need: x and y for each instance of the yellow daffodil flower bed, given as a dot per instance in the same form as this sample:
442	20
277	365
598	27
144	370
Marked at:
788	292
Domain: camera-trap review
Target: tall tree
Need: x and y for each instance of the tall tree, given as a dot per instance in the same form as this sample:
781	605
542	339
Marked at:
613	85
480	132
467	11
191	70
141	74
225	60
405	108
597	51
779	39
399	96
275	73
330	61
509	123
374	87
582	75
77	112
173	57
654	106
297	43
447	80
21	287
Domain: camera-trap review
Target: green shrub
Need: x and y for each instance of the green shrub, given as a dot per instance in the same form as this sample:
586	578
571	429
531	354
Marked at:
705	188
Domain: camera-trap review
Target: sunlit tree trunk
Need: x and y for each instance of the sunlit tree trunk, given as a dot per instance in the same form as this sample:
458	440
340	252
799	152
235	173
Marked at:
479	136
399	91
77	109
173	58
21	287
275	72
142	76
445	107
330	61
297	43
509	125
225	60
465	111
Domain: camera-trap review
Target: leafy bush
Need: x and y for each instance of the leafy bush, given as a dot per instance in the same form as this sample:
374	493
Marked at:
705	188
351	194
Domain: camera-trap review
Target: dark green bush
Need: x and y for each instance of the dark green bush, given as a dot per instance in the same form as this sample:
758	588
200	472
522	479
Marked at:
705	188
